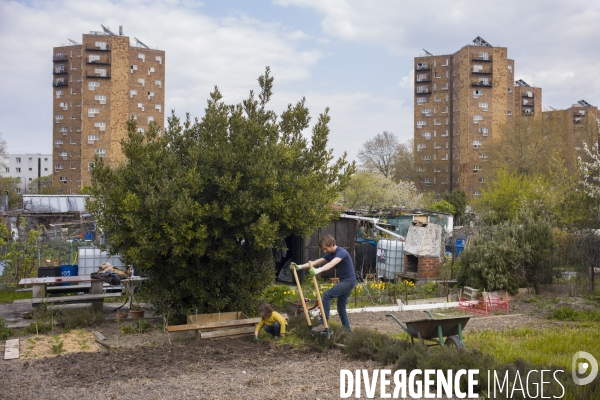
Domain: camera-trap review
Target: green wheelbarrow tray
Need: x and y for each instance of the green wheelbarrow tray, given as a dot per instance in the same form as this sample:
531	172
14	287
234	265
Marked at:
435	330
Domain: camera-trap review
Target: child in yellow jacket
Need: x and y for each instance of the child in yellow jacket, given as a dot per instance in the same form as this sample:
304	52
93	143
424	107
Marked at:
271	321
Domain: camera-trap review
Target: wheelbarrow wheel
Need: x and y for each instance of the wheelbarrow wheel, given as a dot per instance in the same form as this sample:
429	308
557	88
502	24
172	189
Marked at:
453	341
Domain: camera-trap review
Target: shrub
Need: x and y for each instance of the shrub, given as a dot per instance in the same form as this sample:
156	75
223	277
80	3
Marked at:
5	331
80	317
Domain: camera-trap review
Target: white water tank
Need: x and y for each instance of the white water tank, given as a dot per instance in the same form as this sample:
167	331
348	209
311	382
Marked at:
390	257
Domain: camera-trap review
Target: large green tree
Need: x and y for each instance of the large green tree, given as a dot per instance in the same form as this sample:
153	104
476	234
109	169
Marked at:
200	207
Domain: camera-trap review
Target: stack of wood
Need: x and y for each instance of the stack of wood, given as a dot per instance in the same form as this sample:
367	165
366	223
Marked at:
206	326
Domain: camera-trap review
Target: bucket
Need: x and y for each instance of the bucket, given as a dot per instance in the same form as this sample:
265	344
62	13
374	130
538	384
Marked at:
68	270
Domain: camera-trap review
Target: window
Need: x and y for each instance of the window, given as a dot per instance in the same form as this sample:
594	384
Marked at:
18	169
133	68
421	65
158	108
58	167
92	139
132	93
426	181
421	146
6	169
141	81
45	169
62	179
426	135
100	98
18	159
528	94
93	85
476	193
150	70
445	134
426	112
445	158
421	77
421	100
64	106
159	59
477	93
483	131
59	93
426	158
477	143
483	106
436	146
100	125
477	168
93	57
140	130
100	71
63	154
93	111
510	68
509	90
58	142
141	105
437	74
420	124
483	55
150	119
477	68
150	95
158	83
58	118
101	45
422	89
477	118
100	152
484	81
481	180
510	113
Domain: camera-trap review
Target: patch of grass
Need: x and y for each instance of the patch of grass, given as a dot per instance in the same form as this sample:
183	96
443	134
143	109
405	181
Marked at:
75	318
567	313
120	299
547	347
9	295
5	331
37	327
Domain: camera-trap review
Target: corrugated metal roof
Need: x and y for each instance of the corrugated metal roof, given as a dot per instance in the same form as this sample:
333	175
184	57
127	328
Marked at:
54	204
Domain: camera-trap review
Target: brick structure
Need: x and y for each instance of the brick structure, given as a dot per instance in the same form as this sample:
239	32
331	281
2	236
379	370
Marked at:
98	85
461	100
421	268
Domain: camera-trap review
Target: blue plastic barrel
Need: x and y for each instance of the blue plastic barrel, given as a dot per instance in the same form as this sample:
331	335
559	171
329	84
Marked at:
459	246
69	270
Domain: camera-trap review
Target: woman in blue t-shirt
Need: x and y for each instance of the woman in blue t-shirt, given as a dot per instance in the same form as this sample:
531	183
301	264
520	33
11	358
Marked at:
334	257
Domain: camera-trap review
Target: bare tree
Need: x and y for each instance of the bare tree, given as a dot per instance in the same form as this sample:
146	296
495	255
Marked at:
378	154
404	162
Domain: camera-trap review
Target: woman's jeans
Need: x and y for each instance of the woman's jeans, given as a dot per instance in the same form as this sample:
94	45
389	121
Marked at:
340	291
273	330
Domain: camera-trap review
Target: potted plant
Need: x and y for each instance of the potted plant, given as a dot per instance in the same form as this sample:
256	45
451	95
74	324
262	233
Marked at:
122	314
136	311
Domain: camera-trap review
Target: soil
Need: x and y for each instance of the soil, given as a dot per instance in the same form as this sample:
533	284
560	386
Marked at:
156	365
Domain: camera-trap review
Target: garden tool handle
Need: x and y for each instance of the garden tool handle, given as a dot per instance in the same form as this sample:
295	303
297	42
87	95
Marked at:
302	298
323	316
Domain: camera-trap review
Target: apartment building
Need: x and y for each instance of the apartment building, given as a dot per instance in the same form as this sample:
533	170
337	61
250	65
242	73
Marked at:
98	85
461	101
27	168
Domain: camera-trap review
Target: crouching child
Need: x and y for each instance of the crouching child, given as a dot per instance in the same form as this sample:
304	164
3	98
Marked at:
271	321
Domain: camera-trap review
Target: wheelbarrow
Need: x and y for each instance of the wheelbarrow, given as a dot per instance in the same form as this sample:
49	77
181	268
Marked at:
435	330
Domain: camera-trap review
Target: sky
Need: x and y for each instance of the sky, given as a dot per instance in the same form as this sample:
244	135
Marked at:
354	56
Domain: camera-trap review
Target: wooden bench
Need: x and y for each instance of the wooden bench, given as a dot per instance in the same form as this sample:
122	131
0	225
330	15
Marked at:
95	299
85	288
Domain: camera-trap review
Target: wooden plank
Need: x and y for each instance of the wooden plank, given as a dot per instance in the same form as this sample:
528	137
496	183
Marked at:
99	335
108	346
11	349
227	332
215	317
216	325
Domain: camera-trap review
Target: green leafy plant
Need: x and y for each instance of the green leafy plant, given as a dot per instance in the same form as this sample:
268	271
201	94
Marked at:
5	331
57	346
168	207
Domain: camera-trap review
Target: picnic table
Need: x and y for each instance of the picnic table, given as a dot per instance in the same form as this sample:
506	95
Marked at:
96	297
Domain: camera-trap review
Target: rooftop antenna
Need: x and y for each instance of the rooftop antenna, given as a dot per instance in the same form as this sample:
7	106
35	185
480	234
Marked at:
521	82
139	42
480	42
107	30
552	108
73	42
428	53
584	103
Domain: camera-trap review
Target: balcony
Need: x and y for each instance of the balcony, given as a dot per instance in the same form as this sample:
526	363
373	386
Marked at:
528	96
59	58
423	80
481	84
528	112
97	62
481	72
59	72
489	59
423	68
60	83
97	76
107	48
527	105
424	92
